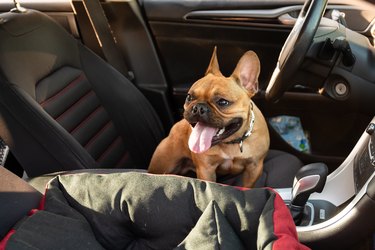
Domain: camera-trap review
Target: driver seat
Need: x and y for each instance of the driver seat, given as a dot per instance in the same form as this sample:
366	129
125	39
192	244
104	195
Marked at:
63	108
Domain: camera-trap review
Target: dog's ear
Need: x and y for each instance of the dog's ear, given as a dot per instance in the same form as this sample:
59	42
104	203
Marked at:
247	72
213	68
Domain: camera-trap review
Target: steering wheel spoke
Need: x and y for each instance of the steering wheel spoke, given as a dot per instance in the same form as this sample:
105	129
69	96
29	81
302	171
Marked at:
295	48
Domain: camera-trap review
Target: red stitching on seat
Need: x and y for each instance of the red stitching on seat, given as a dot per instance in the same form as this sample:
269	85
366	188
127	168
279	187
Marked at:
86	119
91	141
113	144
63	90
80	100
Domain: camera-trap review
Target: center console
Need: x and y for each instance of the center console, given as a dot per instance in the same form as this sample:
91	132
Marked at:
347	200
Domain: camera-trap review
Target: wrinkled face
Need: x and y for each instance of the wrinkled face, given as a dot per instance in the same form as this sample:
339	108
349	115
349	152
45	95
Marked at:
217	106
220	103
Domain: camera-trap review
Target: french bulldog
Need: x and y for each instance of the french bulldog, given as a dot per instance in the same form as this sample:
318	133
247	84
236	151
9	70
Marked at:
223	132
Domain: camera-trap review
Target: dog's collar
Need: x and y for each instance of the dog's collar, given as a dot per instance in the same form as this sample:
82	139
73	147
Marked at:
247	133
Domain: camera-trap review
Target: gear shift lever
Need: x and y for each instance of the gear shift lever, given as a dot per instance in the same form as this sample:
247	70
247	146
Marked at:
309	179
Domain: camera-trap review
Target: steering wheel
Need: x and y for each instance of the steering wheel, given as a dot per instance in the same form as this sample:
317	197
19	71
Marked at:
295	48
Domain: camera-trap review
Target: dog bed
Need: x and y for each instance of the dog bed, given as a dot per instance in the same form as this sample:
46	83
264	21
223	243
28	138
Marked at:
144	211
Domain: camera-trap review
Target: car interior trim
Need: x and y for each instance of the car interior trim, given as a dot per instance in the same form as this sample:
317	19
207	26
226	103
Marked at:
342	177
53	5
283	16
340	215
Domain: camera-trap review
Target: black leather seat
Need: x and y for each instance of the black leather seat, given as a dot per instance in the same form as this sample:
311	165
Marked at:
64	108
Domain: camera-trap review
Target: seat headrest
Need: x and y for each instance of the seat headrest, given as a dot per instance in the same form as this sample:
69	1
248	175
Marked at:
32	46
17	24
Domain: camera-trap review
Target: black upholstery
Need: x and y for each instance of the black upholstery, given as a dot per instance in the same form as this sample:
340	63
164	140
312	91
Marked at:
62	102
17	198
279	170
76	107
63	108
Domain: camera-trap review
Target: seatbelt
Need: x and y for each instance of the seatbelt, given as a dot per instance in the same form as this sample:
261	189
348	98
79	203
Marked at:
105	37
4	150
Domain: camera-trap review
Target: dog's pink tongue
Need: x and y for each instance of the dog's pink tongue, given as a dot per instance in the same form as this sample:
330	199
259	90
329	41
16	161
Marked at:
201	137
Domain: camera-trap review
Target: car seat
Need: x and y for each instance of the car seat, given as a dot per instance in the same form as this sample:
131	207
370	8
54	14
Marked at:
63	108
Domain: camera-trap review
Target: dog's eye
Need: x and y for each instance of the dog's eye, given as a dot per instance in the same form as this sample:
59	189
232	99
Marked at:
222	102
189	98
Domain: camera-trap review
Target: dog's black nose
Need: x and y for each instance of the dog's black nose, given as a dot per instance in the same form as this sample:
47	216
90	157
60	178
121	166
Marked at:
200	109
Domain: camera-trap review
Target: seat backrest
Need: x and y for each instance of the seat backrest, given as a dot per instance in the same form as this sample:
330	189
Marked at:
62	107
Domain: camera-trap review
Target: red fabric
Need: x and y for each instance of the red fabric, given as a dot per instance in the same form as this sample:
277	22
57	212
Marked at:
32	212
4	241
241	188
43	200
284	228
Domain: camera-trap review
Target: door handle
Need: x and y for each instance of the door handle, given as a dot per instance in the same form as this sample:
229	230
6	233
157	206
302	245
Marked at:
287	19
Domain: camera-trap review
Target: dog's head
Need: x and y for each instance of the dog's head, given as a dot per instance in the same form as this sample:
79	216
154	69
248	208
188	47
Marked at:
218	107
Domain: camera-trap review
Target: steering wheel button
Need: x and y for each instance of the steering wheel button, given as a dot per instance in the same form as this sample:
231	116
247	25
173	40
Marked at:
370	128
